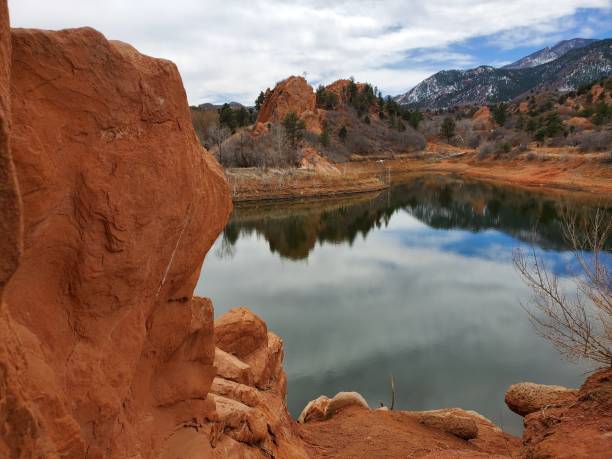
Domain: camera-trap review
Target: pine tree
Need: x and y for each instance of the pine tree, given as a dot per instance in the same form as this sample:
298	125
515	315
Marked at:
447	129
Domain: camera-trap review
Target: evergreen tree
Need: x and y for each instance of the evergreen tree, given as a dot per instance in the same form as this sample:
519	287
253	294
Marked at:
447	130
294	127
227	118
500	113
259	101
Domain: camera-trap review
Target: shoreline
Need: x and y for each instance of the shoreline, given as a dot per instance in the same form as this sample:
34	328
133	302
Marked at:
586	174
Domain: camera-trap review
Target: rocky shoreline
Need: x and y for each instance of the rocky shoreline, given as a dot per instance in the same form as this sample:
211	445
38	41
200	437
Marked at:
108	206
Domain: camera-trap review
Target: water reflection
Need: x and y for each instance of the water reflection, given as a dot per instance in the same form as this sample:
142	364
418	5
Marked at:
441	202
417	282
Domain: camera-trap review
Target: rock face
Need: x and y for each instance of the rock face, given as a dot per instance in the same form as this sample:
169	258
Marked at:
291	95
240	332
251	414
104	352
526	398
574	425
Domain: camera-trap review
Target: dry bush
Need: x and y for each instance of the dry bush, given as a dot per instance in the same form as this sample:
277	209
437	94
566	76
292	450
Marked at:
430	127
271	149
202	121
486	149
591	140
580	325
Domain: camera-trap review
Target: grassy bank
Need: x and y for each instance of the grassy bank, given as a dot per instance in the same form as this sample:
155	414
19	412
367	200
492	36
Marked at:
555	169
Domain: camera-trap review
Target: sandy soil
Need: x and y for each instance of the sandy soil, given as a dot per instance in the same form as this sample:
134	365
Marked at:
359	433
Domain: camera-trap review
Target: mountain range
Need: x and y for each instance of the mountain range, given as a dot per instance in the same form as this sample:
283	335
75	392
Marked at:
565	66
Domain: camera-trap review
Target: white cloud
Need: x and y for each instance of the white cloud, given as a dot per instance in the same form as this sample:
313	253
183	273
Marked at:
232	49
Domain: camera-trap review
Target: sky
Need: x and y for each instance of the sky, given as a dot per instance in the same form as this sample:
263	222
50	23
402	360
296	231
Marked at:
230	50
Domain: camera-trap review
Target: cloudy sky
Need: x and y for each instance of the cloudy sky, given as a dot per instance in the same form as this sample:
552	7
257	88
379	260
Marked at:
230	50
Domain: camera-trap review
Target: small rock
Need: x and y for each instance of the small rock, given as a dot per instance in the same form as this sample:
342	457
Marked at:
459	426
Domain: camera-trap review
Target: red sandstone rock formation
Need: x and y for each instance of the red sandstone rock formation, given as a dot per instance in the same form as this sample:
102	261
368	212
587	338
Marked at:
103	352
568	424
252	418
483	118
291	95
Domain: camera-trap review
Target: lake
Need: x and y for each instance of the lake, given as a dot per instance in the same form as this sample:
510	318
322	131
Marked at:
415	282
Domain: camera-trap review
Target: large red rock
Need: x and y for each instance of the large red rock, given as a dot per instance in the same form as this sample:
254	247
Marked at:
104	352
291	95
10	212
578	427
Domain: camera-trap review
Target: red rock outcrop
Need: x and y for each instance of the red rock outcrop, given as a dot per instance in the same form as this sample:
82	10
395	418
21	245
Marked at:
340	88
251	415
291	95
104	353
483	118
574	425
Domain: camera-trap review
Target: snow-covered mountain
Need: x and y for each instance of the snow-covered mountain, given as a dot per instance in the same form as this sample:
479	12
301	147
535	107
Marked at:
549	54
576	66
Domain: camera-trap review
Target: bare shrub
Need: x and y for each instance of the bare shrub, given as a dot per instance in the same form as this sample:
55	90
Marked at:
486	149
216	136
202	121
580	325
271	149
592	140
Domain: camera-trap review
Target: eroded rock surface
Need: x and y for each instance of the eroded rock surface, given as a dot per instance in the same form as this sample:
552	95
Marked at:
578	427
252	418
104	352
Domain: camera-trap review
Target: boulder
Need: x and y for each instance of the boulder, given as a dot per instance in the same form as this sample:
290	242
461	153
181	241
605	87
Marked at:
315	410
526	398
460	426
240	332
323	407
343	399
291	95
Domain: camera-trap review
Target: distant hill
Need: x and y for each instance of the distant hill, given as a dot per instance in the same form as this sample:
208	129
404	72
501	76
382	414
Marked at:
208	107
549	54
576	66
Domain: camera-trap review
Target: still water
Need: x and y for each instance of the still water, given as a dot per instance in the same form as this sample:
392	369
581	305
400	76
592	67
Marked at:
416	282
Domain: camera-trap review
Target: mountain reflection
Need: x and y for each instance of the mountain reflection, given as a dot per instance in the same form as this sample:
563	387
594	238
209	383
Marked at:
293	230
